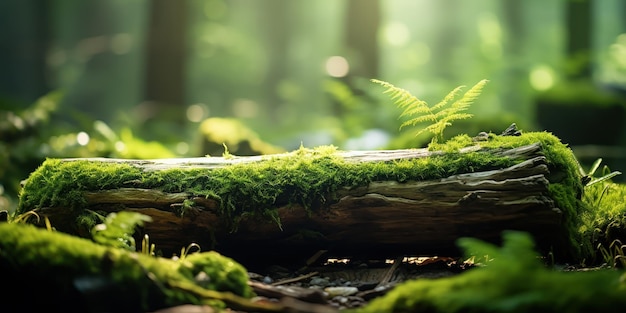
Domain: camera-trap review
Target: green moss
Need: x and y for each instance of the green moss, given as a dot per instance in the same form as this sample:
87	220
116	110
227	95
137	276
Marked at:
30	255
512	279
308	177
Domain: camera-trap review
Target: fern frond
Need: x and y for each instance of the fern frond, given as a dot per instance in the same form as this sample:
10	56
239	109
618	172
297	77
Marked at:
456	117
420	119
440	115
448	112
437	128
470	96
420	110
448	98
401	97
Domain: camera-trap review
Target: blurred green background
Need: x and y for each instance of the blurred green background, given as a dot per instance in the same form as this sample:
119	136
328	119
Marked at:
164	78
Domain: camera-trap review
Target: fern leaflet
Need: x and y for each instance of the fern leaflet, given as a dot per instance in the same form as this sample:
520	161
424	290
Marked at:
441	115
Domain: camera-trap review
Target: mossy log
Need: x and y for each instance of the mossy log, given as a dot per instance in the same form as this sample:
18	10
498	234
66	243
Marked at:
369	204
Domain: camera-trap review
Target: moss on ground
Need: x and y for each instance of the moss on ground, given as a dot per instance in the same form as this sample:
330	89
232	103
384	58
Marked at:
53	267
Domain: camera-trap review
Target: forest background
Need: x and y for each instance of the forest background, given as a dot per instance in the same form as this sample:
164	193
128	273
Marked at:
137	78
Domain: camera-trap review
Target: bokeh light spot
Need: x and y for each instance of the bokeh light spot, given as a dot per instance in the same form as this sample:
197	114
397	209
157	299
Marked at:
120	146
82	138
397	34
182	148
197	112
542	77
337	66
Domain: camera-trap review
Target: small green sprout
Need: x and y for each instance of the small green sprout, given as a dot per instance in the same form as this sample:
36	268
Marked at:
588	179
614	256
185	251
226	154
146	247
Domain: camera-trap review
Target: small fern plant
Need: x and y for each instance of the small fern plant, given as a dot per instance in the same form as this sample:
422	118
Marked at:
441	115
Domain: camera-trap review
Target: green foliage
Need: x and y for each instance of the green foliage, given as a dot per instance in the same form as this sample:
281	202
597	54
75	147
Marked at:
603	223
589	179
47	130
614	255
512	280
23	139
118	228
440	115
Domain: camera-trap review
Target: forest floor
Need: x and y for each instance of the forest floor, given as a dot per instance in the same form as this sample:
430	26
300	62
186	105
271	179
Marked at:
334	285
344	284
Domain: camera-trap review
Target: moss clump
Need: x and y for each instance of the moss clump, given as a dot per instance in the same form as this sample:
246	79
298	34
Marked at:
58	269
511	280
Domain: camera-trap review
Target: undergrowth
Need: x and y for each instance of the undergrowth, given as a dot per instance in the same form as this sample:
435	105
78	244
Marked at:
603	224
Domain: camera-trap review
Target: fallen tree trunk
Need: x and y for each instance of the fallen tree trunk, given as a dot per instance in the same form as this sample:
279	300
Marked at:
405	202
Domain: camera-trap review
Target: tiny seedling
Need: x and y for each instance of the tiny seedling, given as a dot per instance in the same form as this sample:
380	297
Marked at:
588	178
614	255
226	154
23	218
186	251
146	247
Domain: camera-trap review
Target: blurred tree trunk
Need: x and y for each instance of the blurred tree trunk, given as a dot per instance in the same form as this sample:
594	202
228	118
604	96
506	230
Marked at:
165	59
274	17
514	44
446	39
579	29
362	23
361	40
24	44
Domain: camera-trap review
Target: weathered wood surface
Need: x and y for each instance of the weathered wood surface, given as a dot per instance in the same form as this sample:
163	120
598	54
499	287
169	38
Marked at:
382	219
